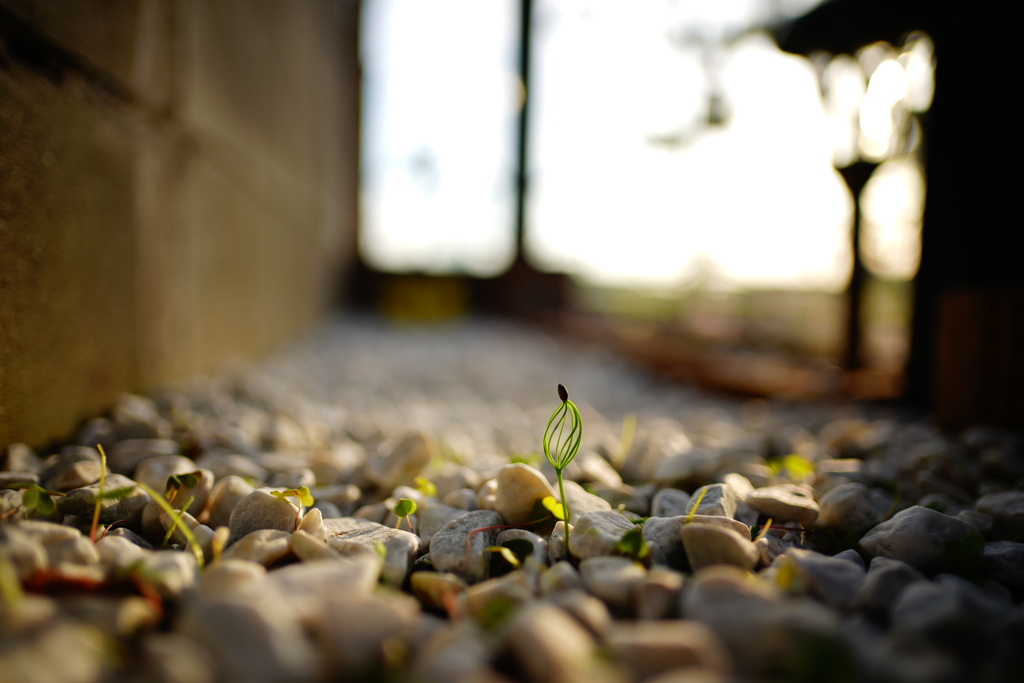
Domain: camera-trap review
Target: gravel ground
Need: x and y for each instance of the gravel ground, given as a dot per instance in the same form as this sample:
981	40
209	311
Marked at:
709	539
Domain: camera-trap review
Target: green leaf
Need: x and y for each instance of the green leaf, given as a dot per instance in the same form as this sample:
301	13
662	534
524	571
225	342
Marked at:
520	546
304	496
45	505
280	495
31	496
405	507
554	507
425	486
633	544
115	494
798	468
179	481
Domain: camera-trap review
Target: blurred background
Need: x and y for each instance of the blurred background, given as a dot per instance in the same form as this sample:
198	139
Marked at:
802	198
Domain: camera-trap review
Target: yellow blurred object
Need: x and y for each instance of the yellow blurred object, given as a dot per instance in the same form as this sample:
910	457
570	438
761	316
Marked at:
424	299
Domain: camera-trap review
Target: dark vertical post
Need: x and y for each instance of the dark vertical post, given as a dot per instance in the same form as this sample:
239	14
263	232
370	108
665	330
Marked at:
525	23
856	177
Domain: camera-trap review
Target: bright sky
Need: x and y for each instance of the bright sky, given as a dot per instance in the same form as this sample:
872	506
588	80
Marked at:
753	203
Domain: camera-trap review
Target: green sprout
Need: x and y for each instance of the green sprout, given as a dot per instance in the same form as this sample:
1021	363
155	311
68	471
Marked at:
37	498
300	494
403	508
565	447
696	504
177	522
633	544
425	486
103	494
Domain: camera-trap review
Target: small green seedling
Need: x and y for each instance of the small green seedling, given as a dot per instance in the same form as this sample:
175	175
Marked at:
425	486
301	495
103	494
566	445
633	544
625	440
554	507
37	498
794	466
403	508
696	504
177	522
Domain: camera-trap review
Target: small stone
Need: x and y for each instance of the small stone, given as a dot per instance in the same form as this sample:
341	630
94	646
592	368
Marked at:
27	554
448	547
77	550
117	617
265	546
66	651
260	510
708	544
487	496
154	471
378	512
130	536
670	503
455	478
556	543
598	533
851	555
652	648
664	532
539	543
680	467
20	458
979	520
307	547
136	417
328	510
361	633
917	536
124	456
1007	512
118	552
322	580
719	500
343	496
174	658
48	532
852	507
562	576
461	498
623	497
658	595
549	645
739	484
437	590
519	490
398	461
581	502
225	465
586	609
81	502
1004	562
251	640
226	494
593	468
511	590
615	580
432	517
349	536
882	585
784	504
313	524
11	478
75	476
231	575
833	581
170	572
293	479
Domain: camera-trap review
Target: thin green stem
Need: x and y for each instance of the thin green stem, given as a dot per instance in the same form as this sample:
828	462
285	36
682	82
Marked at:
185	531
565	509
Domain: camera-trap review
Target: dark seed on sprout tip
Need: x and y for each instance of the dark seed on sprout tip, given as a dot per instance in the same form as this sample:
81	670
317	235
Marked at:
562	393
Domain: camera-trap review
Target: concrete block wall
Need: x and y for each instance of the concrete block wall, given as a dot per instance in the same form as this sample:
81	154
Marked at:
178	184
